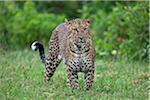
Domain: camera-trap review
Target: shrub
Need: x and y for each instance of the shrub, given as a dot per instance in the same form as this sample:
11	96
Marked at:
118	29
24	25
124	29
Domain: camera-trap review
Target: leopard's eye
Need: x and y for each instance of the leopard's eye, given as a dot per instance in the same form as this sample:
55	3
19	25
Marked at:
85	29
75	29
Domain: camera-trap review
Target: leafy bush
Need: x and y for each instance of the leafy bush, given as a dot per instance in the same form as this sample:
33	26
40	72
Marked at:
118	29
24	25
124	31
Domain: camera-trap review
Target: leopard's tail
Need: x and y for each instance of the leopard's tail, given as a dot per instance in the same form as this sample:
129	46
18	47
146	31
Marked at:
38	46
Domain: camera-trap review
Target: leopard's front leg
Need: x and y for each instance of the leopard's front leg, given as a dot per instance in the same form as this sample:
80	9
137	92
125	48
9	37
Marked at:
89	78
89	70
72	78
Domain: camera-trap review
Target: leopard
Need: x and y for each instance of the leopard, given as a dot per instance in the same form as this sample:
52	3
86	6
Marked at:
71	42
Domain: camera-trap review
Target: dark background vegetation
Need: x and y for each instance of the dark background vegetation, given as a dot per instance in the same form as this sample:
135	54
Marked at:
118	29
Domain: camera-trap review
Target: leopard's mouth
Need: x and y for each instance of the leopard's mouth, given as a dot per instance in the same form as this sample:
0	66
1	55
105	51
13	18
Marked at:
78	45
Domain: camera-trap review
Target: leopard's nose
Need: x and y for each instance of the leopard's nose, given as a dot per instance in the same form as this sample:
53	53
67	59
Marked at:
81	40
78	45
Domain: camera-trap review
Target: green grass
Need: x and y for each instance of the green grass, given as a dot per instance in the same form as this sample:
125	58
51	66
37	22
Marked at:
21	78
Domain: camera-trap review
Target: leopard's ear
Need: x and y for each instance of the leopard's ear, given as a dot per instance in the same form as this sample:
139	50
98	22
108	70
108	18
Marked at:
68	22
87	22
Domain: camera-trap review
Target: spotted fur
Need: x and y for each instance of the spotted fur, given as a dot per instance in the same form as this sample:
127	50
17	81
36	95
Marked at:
71	41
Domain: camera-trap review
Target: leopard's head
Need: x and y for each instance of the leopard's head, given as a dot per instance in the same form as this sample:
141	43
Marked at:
78	34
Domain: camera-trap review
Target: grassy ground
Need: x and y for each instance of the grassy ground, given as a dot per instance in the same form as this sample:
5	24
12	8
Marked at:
21	78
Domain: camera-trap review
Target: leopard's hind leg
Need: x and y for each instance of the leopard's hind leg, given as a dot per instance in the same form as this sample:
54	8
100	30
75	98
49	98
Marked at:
53	59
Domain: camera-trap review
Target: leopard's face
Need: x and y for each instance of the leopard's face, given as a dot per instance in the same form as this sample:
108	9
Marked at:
78	34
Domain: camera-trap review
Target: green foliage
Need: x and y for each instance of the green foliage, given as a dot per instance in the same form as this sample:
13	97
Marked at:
23	26
118	29
124	29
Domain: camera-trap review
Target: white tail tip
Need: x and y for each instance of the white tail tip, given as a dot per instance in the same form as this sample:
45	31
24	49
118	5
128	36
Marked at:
33	46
